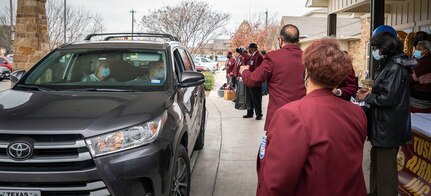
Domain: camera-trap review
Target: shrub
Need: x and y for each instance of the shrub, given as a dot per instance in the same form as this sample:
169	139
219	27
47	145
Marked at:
209	80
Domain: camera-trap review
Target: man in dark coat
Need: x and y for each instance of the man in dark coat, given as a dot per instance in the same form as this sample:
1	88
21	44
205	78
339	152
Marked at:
284	71
255	91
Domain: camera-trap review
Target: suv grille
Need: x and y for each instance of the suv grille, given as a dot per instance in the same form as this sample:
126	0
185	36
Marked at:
97	188
51	153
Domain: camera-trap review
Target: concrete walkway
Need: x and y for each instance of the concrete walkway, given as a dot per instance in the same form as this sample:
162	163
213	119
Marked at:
227	164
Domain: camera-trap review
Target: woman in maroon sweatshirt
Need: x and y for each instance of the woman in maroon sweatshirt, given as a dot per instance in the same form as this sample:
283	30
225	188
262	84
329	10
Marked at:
314	146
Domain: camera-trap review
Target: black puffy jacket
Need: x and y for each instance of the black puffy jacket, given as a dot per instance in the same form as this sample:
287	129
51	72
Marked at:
389	114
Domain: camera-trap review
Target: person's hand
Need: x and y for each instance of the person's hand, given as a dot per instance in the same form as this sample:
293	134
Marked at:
362	94
242	68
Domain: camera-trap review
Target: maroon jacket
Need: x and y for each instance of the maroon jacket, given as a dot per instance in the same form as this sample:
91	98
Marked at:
255	60
241	60
285	74
422	90
230	66
314	147
349	86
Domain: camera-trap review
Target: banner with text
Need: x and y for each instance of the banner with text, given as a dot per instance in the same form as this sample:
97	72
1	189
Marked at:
414	166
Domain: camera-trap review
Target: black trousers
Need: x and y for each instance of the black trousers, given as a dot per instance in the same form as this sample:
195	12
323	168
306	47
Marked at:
256	100
383	173
232	81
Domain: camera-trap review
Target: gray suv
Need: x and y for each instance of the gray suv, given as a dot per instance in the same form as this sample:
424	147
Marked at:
106	117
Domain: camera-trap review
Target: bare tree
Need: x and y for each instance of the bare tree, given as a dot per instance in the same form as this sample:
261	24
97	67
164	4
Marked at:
5	29
194	23
79	22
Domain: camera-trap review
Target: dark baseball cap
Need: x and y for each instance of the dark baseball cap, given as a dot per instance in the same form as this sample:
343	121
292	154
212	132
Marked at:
252	45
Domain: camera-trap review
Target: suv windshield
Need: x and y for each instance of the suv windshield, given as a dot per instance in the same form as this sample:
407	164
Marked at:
100	69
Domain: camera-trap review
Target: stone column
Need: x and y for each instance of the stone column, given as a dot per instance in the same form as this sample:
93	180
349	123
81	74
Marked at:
364	50
31	36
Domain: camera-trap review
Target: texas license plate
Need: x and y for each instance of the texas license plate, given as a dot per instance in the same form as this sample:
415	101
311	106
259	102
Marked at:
19	193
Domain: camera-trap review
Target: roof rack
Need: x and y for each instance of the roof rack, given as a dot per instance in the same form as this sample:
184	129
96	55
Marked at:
114	35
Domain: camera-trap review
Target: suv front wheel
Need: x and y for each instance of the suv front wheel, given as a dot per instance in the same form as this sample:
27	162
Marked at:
181	175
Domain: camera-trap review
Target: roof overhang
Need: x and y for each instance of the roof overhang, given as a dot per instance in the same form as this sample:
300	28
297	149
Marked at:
344	38
361	6
317	3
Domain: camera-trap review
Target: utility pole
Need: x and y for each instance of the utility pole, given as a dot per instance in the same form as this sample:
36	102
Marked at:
133	20
11	14
12	29
64	36
266	18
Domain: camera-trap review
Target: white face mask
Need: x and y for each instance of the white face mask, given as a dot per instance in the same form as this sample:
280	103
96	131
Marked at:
376	55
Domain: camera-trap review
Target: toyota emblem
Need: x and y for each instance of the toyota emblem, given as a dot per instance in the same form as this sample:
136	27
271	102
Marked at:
20	150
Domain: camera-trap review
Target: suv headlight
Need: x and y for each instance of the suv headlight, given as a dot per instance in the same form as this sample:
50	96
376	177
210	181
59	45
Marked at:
126	138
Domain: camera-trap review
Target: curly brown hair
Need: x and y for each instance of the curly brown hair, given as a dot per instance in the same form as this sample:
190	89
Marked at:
326	64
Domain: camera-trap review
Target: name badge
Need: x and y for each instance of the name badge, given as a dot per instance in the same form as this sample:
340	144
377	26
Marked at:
251	62
262	147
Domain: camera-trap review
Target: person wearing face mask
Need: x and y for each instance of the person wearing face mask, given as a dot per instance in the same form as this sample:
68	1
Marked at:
284	71
420	79
103	73
314	145
389	121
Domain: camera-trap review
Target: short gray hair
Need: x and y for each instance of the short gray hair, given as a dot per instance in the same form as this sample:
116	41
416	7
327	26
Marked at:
426	44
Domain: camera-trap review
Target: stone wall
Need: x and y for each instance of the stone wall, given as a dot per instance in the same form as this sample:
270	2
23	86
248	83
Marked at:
355	53
31	36
358	49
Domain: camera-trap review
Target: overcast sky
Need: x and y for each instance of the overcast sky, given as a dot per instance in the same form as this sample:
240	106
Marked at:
117	17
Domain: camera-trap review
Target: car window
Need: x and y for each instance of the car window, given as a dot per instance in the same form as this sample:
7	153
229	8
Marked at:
186	60
205	60
123	69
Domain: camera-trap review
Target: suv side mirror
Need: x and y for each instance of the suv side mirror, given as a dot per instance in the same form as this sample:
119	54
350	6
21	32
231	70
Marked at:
16	76
191	78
